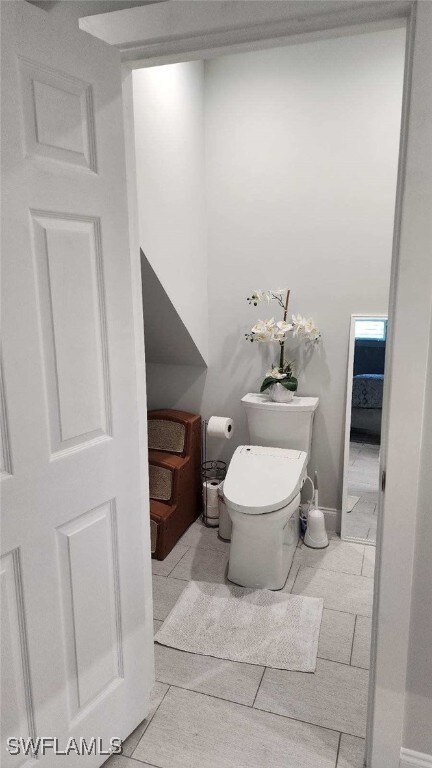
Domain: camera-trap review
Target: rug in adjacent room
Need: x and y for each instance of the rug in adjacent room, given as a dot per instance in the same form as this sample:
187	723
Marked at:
272	629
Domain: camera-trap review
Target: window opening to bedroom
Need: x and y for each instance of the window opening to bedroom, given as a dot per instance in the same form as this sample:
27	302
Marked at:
375	330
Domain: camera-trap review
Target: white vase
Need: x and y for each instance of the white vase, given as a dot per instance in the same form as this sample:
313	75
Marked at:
279	394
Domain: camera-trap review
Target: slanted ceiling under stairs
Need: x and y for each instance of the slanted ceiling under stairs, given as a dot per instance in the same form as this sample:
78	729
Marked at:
167	340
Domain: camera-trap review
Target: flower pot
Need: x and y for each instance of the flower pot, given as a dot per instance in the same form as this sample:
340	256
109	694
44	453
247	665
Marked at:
279	393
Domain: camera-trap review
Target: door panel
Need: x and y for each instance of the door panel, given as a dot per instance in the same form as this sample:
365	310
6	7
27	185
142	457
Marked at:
69	272
74	522
88	555
58	118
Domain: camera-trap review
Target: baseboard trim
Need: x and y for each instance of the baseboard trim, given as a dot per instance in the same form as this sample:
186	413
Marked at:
411	759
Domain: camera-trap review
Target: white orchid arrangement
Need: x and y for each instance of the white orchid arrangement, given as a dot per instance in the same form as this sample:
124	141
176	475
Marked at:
278	331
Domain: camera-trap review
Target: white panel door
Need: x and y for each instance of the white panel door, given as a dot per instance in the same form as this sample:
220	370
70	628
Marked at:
75	560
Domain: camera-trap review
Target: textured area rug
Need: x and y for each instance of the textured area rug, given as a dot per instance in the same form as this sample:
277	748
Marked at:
272	629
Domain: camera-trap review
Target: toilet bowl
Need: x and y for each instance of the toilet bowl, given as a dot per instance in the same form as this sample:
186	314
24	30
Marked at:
262	495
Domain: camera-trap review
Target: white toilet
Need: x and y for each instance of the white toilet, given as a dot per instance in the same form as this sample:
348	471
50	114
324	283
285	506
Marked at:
262	490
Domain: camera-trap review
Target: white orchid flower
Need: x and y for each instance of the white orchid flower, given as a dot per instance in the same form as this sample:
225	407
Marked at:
256	296
313	335
305	328
263	330
270	331
276	374
281	330
260	295
298	324
284	327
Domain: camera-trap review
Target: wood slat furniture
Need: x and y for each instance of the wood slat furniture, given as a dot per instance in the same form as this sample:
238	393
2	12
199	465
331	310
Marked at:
175	479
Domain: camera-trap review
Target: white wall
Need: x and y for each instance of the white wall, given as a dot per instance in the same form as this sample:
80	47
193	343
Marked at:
169	146
302	151
301	147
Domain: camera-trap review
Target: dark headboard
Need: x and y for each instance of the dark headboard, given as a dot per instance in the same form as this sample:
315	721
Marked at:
369	356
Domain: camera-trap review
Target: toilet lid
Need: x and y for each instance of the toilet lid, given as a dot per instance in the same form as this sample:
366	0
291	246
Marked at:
263	479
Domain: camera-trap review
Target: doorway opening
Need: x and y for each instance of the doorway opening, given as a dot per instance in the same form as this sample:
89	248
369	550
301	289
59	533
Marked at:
242	192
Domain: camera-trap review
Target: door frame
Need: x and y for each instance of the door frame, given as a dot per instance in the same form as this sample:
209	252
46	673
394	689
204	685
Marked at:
394	574
410	301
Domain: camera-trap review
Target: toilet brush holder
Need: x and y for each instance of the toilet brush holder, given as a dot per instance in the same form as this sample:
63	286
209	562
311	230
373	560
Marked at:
316	534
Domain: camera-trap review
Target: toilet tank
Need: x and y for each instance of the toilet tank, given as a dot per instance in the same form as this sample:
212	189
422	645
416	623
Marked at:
280	425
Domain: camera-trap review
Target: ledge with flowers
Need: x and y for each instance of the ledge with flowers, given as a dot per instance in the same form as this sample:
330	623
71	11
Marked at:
280	382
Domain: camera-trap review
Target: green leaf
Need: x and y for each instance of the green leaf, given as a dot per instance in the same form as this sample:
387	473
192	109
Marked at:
290	383
268	381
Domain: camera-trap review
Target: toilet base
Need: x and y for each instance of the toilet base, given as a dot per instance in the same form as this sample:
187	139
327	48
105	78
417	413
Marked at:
263	547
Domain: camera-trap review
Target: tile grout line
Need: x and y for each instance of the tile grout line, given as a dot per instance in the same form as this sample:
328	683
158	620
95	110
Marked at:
249	664
294	582
267	711
282	591
352	644
333	570
145	729
324	658
338	749
140	762
179	561
301	565
254	708
345	573
259	686
348	613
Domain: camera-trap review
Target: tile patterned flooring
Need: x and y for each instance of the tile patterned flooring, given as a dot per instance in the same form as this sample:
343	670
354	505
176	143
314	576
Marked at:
213	713
363	479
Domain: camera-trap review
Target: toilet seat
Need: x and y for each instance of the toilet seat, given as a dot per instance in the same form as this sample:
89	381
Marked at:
262	479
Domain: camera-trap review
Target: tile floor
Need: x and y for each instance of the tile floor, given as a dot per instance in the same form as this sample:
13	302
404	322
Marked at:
363	479
213	713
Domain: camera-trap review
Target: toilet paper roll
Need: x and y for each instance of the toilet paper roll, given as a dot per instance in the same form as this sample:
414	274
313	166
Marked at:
211	502
210	493
220	426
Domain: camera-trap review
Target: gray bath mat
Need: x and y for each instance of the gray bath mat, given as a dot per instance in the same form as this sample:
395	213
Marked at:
272	629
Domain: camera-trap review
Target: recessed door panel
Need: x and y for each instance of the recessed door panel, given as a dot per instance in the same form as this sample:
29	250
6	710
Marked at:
58	116
72	317
91	603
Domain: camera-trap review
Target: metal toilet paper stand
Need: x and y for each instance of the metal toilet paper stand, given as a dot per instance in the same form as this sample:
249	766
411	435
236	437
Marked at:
211	469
